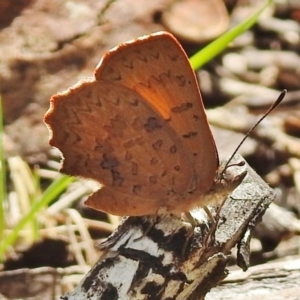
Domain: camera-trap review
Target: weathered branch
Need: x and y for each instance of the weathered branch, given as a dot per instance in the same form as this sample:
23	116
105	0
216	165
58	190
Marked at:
165	258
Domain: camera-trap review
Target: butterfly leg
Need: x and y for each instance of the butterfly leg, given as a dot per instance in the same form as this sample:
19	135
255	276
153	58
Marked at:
195	224
214	219
209	238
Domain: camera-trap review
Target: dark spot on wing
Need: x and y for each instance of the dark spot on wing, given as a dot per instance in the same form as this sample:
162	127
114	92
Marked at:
190	134
128	156
134	102
134	168
153	179
181	80
117	178
152	124
173	149
157	145
136	189
109	162
183	107
153	161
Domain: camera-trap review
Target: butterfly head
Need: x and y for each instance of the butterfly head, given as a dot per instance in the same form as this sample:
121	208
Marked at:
228	178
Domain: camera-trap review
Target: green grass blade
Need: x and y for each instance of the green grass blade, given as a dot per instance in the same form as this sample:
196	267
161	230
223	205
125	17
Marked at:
2	175
57	186
217	46
36	197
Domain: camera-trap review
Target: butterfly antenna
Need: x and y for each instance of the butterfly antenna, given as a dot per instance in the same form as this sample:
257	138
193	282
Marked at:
274	105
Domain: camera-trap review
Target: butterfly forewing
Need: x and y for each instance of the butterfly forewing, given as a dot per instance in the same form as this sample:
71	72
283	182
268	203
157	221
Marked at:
139	129
158	69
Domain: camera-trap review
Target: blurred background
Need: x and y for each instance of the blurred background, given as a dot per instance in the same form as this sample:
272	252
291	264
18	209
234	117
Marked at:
47	46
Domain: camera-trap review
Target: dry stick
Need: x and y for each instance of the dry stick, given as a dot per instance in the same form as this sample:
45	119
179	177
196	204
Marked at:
153	267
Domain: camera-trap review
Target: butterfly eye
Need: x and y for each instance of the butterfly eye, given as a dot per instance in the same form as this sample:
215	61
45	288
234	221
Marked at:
222	175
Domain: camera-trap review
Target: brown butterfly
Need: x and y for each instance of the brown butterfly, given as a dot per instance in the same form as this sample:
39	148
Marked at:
139	128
